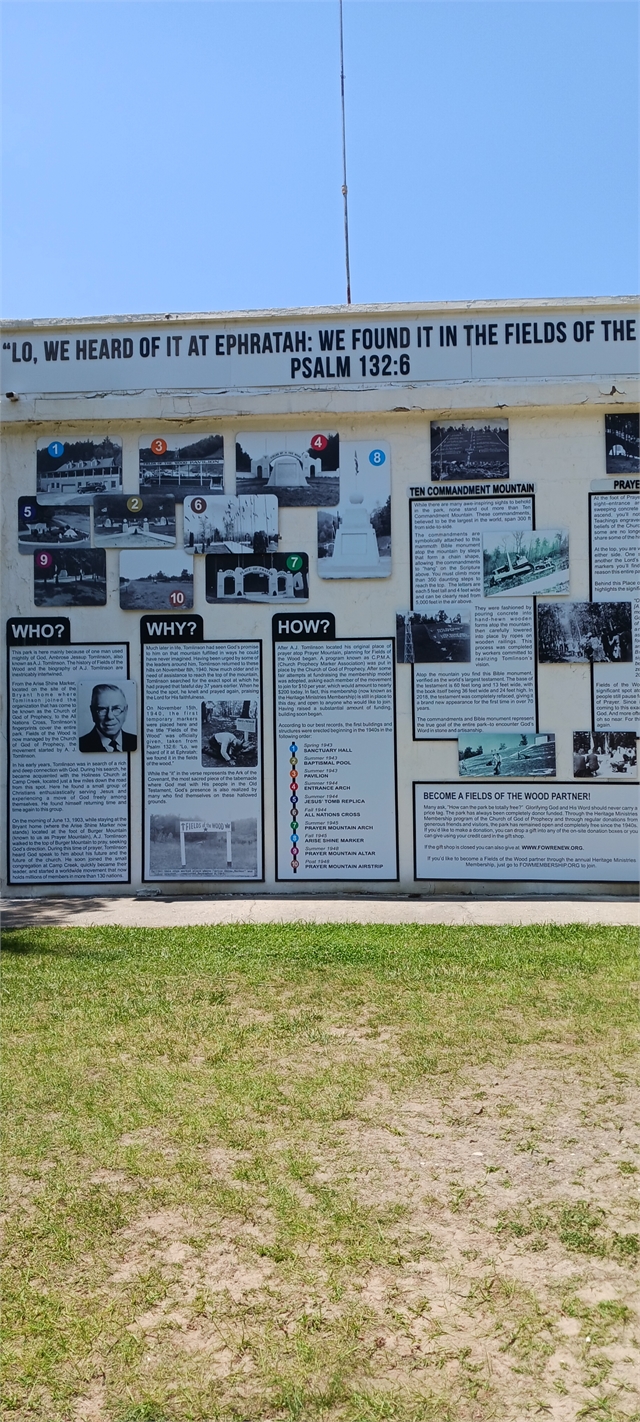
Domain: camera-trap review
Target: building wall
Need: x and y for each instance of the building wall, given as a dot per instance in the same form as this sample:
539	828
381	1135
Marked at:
557	440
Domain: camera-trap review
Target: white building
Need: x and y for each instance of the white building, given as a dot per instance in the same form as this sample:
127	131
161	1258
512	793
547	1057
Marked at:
552	371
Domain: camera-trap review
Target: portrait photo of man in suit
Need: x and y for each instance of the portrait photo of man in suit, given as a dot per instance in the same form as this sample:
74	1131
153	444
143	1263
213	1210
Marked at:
109	710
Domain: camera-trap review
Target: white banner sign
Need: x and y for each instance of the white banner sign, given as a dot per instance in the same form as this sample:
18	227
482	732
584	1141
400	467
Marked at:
372	349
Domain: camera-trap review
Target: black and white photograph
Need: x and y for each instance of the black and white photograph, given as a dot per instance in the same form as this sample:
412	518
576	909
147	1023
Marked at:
229	733
181	465
151	581
508	754
434	634
354	539
301	467
605	755
134	521
72	470
224	524
66	578
183	848
622	439
247	577
585	632
107	716
52	525
470	449
518	563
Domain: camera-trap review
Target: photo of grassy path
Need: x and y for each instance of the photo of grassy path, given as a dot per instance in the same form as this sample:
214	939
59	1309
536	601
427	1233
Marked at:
338	1172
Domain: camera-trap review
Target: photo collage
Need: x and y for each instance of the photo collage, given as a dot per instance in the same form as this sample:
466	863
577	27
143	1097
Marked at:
491	593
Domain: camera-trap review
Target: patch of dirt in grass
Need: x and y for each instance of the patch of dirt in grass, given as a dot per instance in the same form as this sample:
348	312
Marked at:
92	1408
523	1239
492	1283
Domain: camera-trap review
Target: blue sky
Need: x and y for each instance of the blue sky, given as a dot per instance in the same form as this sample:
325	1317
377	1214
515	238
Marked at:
186	156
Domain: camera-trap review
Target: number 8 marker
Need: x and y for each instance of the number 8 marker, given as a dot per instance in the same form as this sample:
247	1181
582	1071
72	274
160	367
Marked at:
377	456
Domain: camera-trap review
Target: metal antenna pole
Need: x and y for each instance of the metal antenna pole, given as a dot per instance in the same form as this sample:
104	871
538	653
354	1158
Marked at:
344	166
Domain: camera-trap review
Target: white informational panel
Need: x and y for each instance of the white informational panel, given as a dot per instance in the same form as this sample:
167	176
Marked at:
335	760
540	832
202	760
496	687
68	809
615	573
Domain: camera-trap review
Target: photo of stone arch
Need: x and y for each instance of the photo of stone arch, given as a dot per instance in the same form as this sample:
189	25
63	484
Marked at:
244	577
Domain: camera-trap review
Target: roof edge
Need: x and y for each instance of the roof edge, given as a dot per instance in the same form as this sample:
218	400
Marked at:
292	313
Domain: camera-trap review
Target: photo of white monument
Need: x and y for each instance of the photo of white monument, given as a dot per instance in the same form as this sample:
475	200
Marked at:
354	540
301	467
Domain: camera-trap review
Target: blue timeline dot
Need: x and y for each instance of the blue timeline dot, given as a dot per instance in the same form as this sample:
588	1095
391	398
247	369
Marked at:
55	449
377	456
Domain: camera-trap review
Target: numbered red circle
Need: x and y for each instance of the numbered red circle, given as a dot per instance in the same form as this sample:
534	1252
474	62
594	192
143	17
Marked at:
198	505
318	442
177	599
158	446
44	560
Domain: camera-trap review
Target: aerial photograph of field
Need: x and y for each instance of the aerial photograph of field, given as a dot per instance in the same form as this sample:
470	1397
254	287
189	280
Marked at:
470	449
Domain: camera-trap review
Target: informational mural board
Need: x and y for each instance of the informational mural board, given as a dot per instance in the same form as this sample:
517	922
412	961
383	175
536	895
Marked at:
615	573
68	809
271	577
491	682
334	722
567	832
203	757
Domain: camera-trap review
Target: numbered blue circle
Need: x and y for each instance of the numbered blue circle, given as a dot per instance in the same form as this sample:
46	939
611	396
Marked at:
29	512
55	449
377	456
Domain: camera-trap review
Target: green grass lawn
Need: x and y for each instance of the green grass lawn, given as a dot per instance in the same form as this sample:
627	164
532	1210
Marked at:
332	1172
